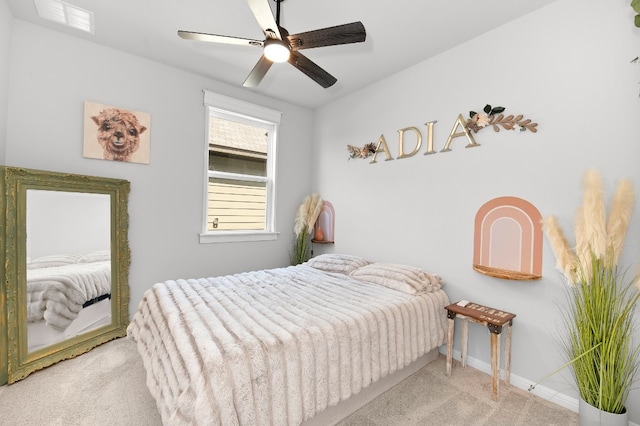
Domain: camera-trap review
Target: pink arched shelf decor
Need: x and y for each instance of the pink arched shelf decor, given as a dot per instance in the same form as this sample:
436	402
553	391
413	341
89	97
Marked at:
508	239
325	224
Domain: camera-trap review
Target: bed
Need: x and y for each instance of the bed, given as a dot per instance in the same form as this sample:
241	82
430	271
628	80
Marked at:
67	295
279	346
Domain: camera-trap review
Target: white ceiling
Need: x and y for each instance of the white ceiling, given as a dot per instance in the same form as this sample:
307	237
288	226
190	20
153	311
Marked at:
400	33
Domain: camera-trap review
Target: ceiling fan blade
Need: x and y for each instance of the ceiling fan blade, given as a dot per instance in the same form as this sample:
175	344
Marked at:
262	12
258	72
330	36
312	70
190	35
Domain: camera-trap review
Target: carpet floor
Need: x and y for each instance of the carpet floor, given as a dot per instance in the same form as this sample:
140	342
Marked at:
106	387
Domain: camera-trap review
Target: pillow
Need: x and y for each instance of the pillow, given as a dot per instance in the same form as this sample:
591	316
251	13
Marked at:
96	256
52	261
407	279
341	263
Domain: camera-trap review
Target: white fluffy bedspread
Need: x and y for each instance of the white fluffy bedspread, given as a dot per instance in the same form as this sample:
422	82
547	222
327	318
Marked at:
56	294
275	347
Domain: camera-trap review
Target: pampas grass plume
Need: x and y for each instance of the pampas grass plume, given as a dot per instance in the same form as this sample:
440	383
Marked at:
301	217
583	248
619	218
594	231
566	258
313	210
583	245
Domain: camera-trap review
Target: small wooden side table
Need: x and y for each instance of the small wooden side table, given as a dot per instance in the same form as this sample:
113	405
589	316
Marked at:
496	321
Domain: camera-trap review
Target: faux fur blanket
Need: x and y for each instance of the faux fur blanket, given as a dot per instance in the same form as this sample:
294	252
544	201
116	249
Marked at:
275	347
56	294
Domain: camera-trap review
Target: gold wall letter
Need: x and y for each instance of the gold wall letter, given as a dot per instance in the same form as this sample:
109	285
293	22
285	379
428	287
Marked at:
382	145
430	137
401	153
465	132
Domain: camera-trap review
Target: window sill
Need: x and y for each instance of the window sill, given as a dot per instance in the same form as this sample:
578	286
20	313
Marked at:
234	237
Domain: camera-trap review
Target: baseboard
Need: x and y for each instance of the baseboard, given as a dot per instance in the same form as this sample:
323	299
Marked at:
543	392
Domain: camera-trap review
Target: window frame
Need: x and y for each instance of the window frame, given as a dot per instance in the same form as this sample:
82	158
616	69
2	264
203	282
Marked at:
249	113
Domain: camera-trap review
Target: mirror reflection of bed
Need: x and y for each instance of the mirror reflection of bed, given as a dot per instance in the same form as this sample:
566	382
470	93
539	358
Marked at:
68	265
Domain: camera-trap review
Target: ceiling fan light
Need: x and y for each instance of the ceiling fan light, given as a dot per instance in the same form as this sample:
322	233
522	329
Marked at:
276	50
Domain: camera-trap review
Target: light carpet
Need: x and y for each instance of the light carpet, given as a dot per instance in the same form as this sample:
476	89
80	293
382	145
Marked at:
107	387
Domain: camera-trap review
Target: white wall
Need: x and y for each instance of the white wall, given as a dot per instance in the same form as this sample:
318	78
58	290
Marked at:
52	74
567	67
6	22
60	222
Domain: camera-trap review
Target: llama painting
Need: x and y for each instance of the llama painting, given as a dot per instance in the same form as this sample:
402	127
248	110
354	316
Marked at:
116	134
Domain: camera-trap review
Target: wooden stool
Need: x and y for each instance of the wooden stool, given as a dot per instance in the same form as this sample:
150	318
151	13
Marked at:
496	321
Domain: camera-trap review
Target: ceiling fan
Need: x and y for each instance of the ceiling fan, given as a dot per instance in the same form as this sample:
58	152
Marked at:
279	46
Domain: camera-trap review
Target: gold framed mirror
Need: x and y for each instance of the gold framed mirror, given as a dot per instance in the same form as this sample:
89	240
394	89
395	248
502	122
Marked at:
65	275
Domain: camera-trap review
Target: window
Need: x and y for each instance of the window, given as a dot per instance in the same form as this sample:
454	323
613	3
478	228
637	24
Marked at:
239	196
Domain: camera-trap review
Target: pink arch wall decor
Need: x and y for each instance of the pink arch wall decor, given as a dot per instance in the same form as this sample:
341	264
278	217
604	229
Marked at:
326	223
508	239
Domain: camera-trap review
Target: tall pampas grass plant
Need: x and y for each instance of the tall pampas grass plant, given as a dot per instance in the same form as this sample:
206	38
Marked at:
305	220
599	312
599	321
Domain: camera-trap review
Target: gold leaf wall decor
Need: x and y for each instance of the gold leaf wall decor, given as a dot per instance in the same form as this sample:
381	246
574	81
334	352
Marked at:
492	116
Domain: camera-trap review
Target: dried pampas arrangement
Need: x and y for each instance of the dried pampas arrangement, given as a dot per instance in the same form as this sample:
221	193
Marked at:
306	217
596	236
307	214
599	313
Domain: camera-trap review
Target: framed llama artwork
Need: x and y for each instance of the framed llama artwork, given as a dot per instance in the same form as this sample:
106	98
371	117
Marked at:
116	134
